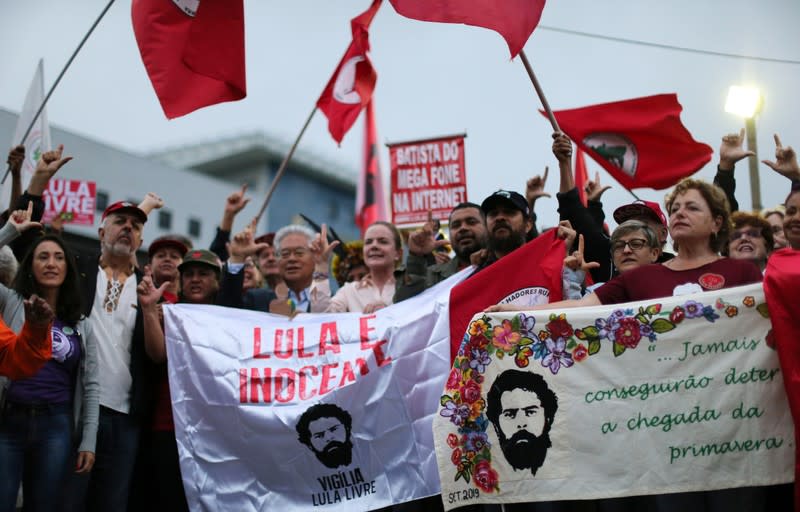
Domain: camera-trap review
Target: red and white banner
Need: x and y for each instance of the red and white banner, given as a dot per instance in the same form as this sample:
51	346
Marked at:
427	175
74	200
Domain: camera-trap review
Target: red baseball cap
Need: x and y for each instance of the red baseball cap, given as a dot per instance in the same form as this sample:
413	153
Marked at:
168	241
125	207
647	209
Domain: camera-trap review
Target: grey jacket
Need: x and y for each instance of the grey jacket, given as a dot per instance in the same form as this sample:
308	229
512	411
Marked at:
420	274
86	402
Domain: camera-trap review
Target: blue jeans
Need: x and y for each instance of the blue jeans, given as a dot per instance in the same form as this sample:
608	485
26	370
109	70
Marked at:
35	447
106	487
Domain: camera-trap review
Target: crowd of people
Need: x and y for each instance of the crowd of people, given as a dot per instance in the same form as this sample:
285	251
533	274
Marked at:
86	418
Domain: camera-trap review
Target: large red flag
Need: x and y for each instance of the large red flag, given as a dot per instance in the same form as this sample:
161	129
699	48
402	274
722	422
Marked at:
640	142
581	176
528	276
194	58
370	202
780	289
515	20
350	88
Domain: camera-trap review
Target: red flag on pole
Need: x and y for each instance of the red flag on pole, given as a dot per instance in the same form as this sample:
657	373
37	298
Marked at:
350	88
640	142
780	290
370	201
193	53
581	176
515	20
528	276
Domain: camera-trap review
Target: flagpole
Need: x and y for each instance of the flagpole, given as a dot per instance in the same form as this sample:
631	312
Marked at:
60	76
284	164
539	91
545	104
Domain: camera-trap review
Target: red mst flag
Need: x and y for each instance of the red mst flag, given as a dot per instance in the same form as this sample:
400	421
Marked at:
528	276
350	88
640	142
780	289
581	176
515	20
193	52
370	201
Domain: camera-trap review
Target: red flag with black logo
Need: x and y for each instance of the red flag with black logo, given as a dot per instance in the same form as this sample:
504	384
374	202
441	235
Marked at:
780	289
529	276
641	142
370	202
515	20
193	53
350	88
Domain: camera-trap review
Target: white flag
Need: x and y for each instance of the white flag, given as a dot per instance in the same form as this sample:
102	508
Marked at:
326	412
38	140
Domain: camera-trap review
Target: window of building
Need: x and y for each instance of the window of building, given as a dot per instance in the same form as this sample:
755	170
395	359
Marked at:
101	201
164	220
194	228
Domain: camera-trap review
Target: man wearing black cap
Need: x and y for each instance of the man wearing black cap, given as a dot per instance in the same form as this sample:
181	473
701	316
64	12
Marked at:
508	220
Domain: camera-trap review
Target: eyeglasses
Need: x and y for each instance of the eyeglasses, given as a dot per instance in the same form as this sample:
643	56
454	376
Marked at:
298	252
635	244
750	233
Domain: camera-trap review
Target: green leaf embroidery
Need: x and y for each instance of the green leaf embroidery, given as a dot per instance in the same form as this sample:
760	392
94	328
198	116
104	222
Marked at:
662	325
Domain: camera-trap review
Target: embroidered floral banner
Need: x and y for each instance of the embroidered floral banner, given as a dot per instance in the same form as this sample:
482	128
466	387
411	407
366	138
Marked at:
681	394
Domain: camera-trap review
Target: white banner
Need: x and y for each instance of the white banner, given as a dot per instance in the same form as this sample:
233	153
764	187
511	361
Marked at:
328	412
38	140
671	395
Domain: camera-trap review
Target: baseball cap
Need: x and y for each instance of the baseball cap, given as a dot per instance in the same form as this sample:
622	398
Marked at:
125	207
167	241
200	257
506	198
266	238
647	209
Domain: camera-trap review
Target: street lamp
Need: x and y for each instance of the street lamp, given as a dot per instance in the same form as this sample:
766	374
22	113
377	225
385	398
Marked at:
746	102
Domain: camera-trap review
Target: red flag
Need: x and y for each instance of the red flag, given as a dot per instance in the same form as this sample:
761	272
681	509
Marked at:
581	176
640	142
780	290
370	202
194	58
350	88
515	20
530	275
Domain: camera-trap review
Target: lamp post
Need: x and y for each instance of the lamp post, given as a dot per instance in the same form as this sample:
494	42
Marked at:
746	102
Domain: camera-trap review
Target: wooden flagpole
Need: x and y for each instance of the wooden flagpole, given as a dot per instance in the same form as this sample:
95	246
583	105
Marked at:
60	76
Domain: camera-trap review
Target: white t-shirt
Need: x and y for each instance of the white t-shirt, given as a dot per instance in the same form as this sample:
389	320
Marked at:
112	319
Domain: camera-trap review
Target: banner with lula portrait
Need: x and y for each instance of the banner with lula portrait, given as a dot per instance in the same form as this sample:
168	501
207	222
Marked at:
673	395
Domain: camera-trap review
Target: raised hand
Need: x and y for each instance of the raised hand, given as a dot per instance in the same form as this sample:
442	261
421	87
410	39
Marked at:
148	293
785	162
15	158
321	250
423	241
566	233
594	190
243	244
732	150
562	147
575	261
21	219
151	202
236	201
534	187
37	311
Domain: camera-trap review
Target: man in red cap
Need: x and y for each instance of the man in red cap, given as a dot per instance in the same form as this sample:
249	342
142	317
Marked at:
166	253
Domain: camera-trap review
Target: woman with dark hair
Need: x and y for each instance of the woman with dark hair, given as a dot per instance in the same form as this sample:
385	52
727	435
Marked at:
41	413
382	251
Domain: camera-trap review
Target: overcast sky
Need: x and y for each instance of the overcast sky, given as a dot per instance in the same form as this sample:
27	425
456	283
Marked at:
433	79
